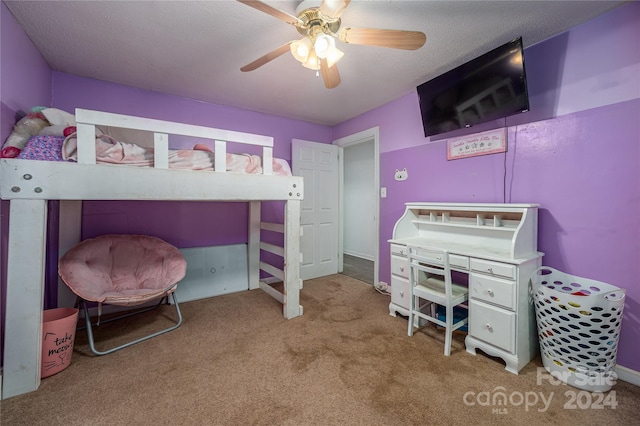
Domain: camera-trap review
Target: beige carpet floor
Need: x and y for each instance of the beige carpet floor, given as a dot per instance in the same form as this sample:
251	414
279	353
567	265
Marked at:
346	361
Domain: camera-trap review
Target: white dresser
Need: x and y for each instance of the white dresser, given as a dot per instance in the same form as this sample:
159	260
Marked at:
496	245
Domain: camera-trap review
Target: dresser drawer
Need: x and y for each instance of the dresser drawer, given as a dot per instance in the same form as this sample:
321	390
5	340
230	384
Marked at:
492	325
494	268
398	250
400	292
400	266
493	290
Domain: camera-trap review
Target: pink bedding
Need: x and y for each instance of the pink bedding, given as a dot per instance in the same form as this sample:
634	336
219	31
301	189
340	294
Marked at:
112	151
109	150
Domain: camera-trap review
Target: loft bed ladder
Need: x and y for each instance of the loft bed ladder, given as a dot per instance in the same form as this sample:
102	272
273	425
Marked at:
290	274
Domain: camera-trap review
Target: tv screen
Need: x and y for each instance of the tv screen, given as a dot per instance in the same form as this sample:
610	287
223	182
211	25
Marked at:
487	88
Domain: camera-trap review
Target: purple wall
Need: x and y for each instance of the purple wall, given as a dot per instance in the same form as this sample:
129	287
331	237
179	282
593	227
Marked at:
576	153
19	59
17	95
70	92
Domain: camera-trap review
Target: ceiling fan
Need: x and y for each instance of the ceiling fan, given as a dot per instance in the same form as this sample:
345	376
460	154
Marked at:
320	26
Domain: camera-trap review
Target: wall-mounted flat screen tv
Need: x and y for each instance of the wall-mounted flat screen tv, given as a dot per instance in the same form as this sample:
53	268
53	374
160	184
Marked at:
486	88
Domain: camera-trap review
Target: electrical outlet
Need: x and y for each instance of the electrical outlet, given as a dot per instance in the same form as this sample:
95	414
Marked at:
401	174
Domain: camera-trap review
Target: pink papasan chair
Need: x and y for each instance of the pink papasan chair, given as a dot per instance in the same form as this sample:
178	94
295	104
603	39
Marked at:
124	270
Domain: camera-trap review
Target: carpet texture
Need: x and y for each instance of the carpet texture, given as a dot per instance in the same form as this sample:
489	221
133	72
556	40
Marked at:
237	361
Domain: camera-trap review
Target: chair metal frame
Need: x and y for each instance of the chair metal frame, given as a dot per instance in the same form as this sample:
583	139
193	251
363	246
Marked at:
89	324
430	280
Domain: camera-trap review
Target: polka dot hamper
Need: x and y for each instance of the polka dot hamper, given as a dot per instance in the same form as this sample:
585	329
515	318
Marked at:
578	323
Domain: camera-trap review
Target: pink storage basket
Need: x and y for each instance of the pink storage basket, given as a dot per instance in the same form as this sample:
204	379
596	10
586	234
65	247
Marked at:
58	335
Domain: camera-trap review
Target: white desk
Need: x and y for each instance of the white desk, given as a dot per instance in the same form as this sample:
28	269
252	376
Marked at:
496	245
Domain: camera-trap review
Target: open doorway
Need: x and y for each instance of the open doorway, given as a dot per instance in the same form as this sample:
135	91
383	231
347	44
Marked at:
359	205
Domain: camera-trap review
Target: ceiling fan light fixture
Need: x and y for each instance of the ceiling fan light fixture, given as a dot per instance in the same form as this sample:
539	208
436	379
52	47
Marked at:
300	49
323	45
312	62
333	56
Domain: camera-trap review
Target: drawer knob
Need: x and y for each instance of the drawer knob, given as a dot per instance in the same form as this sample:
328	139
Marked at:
490	270
402	269
488	326
401	293
490	292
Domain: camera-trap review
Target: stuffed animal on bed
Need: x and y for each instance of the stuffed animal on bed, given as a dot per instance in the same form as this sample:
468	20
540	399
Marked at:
28	126
39	121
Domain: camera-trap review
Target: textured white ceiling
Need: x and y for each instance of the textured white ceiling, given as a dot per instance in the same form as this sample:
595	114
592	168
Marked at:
195	49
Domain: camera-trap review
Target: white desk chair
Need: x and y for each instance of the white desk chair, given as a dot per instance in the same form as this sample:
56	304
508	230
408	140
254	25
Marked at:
430	284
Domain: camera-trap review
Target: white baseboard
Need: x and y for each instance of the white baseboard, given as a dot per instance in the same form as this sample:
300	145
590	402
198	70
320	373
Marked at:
360	255
627	375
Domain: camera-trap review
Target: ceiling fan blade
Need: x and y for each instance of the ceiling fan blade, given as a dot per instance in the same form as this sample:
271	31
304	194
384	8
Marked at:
333	8
330	75
283	16
267	58
396	39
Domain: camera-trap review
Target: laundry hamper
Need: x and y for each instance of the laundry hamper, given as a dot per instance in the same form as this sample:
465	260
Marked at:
578	327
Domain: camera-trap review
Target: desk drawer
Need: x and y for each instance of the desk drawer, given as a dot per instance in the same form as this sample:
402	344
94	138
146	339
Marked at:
400	292
455	261
398	250
400	266
492	325
494	268
493	290
459	262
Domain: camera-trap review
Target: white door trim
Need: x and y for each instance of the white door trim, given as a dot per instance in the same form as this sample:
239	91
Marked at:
372	134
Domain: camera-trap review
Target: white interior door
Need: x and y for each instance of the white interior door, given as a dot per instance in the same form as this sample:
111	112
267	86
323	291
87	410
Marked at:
317	163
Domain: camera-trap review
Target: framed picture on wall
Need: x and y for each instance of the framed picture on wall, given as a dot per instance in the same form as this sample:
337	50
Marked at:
489	142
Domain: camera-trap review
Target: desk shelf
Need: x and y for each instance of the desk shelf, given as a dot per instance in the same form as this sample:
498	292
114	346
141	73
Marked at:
503	220
498	228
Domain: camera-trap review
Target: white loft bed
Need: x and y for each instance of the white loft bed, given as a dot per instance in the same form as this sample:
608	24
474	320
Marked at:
28	184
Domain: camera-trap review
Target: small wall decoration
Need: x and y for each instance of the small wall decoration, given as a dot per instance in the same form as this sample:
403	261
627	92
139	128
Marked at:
490	142
401	174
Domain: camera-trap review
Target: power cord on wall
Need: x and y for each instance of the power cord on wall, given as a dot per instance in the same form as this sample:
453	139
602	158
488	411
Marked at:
504	168
513	156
